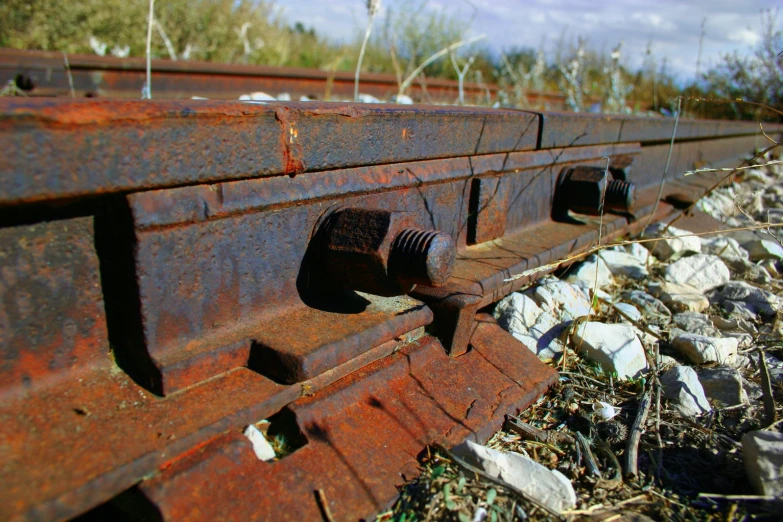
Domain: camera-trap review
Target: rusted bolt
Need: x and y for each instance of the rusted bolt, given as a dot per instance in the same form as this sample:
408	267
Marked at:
376	251
24	82
582	189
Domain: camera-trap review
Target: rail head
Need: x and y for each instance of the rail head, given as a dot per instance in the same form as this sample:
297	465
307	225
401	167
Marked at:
60	148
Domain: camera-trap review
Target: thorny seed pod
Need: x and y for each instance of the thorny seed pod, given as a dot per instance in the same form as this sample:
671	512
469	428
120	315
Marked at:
613	432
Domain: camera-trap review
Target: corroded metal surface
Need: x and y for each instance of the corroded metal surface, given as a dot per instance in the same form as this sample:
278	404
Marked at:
103	146
52	320
361	434
563	129
165	284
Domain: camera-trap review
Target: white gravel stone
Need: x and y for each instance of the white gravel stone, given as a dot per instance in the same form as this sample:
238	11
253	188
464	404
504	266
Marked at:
732	324
537	329
653	309
752	389
517	312
638	251
629	310
549	487
757	175
623	264
718	205
723	385
592	272
567	301
257	96
694	322
648	340
665	362
368	98
614	346
762	452
726	248
678	297
701	349
760	249
402	99
681	386
745	339
701	271
775	367
756	274
746	300
666	248
602	295
261	446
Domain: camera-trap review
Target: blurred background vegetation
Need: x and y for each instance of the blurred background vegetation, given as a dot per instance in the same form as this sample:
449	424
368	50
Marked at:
254	32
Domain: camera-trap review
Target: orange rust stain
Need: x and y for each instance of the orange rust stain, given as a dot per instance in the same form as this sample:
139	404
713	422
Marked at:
292	161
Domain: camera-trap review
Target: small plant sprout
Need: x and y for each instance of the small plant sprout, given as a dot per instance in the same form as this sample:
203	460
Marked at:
618	90
373	6
242	34
97	46
461	75
572	78
412	76
11	89
280	444
166	40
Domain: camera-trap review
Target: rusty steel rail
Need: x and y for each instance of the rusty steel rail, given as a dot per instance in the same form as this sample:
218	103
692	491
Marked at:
174	271
44	73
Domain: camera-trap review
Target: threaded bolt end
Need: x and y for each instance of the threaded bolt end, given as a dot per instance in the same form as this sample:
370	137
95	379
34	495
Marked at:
619	196
423	257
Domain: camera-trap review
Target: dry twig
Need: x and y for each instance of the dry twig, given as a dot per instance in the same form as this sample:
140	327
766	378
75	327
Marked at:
631	454
324	505
70	76
766	389
666	167
528	432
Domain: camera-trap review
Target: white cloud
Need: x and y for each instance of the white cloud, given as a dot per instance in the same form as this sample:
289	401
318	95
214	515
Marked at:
653	21
745	36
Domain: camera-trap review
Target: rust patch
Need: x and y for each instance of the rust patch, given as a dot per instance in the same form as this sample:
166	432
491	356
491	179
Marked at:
293	162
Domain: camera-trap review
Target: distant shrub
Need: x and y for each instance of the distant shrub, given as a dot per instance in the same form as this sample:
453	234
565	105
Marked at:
228	31
756	78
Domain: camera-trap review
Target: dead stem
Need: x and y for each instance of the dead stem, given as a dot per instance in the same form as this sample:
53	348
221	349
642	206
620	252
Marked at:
666	167
324	505
766	389
631	456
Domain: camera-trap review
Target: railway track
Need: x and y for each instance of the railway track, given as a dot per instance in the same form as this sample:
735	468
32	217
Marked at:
174	271
41	73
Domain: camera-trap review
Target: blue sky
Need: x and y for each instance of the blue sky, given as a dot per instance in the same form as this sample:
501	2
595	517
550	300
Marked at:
672	28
